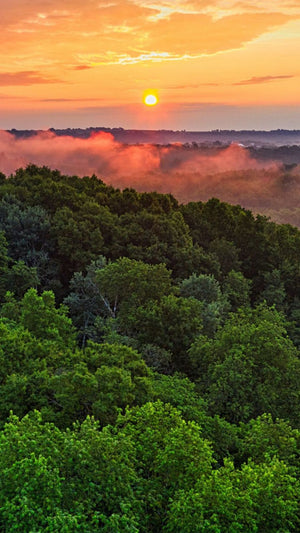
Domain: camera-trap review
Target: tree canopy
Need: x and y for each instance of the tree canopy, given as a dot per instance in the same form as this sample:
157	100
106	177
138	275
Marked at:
149	362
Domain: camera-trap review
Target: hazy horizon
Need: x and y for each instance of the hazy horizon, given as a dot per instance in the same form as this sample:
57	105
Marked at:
193	117
116	127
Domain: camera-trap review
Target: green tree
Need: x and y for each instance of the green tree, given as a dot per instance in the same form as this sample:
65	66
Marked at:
173	324
215	305
20	278
264	438
3	265
126	283
171	454
262	497
79	240
293	325
274	292
39	315
227	254
236	289
203	287
27	230
85	302
80	479
102	383
251	367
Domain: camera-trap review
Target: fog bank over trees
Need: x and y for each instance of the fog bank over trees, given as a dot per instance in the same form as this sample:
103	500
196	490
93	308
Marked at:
262	173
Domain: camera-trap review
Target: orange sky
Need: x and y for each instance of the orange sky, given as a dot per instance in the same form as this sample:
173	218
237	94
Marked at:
214	64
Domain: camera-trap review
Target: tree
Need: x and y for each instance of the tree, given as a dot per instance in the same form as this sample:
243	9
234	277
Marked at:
85	302
20	278
227	254
251	367
215	305
274	292
236	289
293	326
171	455
263	439
27	230
262	497
102	384
173	323
39	315
79	239
126	284
3	265
80	479
202	287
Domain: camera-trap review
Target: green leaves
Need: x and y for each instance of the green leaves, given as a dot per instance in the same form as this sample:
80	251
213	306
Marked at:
78	480
39	315
127	283
256	498
251	367
173	323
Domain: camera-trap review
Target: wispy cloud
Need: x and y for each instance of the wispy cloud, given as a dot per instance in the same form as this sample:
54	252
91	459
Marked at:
219	8
58	100
263	79
155	57
193	86
25	77
117	58
11	97
82	67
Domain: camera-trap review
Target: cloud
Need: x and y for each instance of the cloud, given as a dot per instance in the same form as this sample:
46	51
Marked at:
81	67
263	79
11	97
188	172
200	34
25	77
193	86
179	36
127	32
220	8
58	100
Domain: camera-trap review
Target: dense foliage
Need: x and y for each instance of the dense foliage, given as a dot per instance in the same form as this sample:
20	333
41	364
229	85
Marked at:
150	372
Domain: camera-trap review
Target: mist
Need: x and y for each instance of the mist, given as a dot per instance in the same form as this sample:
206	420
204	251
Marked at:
190	173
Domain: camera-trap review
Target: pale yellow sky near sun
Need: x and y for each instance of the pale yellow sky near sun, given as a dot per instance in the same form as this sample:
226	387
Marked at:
62	60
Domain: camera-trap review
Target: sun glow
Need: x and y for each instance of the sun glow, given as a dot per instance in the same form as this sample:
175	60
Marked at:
150	99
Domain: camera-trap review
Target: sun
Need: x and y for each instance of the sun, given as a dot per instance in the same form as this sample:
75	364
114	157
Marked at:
150	99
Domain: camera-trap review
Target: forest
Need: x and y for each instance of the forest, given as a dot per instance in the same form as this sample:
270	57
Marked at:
150	371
